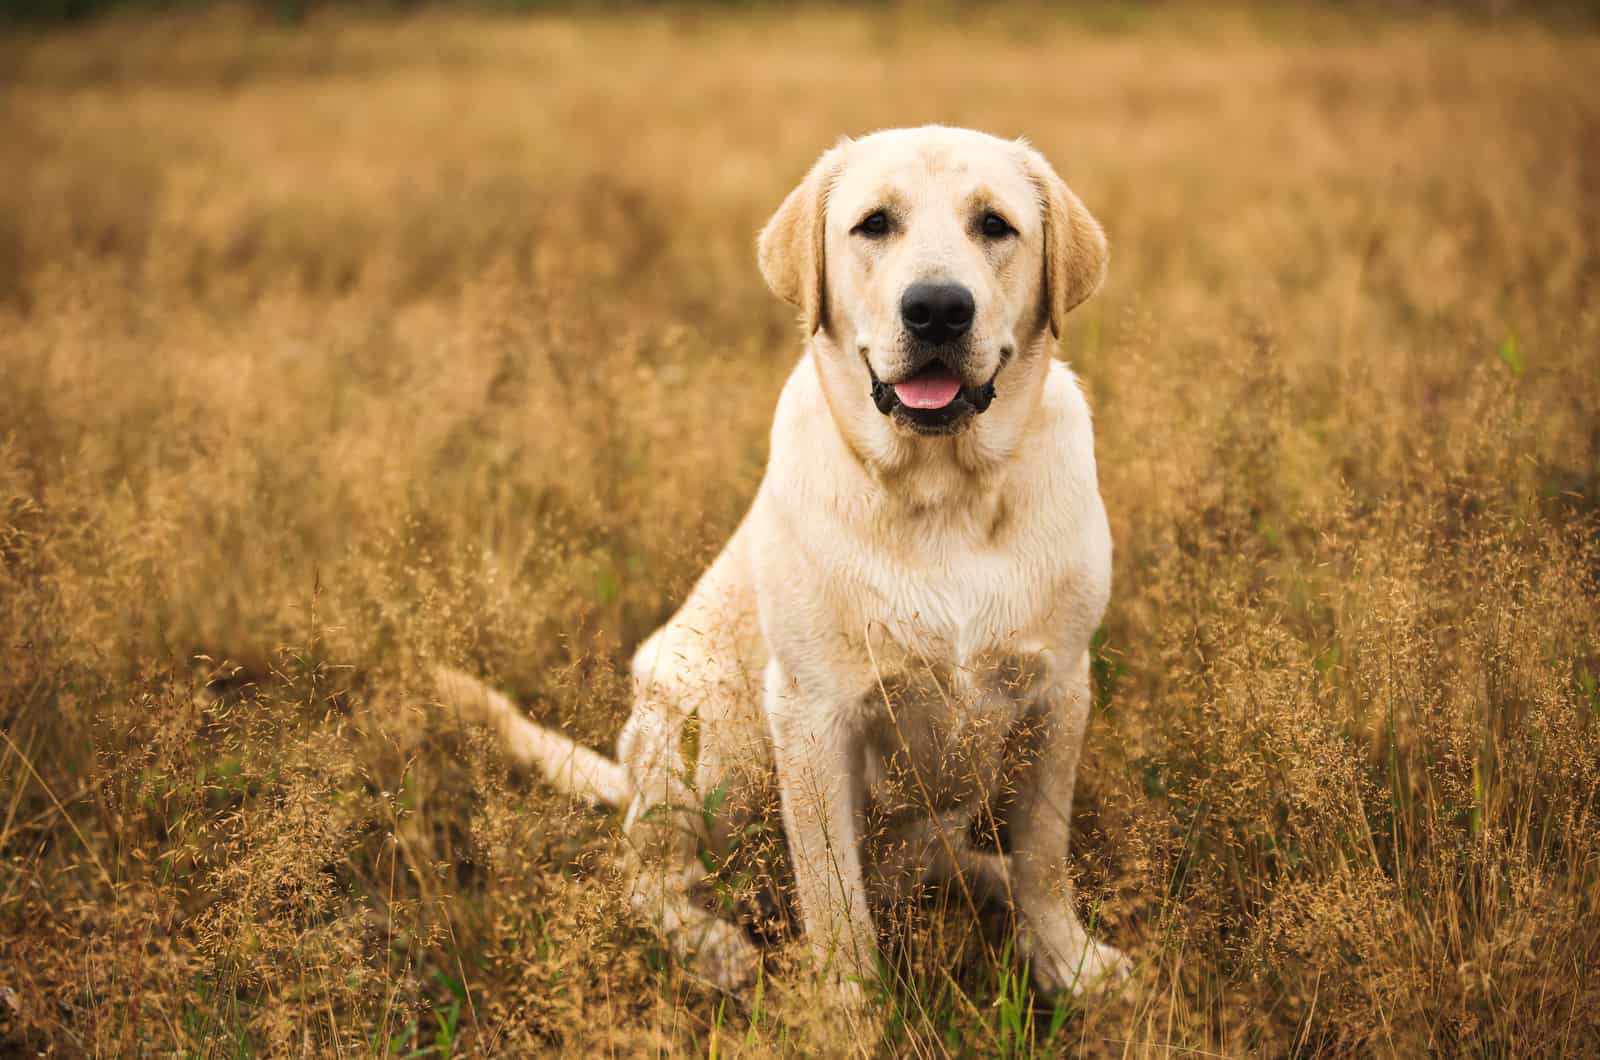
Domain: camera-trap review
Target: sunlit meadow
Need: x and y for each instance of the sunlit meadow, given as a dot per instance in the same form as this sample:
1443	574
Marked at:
332	350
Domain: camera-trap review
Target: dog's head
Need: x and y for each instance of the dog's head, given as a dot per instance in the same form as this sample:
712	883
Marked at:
932	258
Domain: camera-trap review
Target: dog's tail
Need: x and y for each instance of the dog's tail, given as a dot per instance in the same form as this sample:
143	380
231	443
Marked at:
566	764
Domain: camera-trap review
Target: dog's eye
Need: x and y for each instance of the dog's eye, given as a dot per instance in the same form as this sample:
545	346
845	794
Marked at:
996	227
873	225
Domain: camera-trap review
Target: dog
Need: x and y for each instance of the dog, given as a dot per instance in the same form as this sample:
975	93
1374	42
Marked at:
901	623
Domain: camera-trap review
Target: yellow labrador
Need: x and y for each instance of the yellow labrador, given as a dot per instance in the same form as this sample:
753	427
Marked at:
902	620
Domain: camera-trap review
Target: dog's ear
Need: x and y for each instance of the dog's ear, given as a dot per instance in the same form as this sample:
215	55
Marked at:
790	246
1075	252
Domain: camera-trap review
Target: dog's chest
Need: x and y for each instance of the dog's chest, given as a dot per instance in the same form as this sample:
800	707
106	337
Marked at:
959	623
946	594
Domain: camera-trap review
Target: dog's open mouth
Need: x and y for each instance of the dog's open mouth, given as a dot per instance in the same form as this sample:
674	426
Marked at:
932	401
932	388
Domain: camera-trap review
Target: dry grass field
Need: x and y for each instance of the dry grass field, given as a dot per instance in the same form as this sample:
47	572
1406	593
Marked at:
331	351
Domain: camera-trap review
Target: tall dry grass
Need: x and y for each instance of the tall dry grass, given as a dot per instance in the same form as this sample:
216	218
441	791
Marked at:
335	351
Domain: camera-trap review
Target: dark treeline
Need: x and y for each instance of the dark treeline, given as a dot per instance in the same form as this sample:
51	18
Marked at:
48	12
1570	13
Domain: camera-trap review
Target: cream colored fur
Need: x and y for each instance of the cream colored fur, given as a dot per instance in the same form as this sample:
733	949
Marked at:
896	608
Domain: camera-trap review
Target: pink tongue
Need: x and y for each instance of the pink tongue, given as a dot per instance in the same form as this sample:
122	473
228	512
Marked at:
933	388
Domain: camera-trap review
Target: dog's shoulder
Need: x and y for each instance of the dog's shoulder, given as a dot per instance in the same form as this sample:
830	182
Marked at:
1069	423
1069	520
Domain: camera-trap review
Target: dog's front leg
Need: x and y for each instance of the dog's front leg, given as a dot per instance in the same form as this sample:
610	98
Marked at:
1062	954
817	746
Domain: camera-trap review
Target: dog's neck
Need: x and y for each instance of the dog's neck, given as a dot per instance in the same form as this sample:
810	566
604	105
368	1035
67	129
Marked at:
932	471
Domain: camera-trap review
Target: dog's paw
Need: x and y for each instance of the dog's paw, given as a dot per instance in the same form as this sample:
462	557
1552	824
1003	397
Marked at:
1091	968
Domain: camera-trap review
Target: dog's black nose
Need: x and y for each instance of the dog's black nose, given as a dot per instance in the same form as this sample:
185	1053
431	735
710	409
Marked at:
937	312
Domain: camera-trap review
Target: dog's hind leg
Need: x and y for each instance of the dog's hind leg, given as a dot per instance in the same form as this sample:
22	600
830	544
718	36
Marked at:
671	817
665	820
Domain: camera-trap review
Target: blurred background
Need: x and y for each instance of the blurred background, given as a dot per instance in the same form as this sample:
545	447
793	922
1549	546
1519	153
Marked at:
337	340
